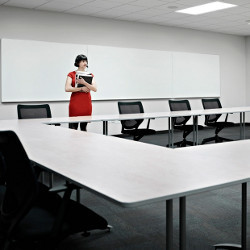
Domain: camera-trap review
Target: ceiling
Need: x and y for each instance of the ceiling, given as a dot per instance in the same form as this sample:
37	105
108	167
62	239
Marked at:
161	12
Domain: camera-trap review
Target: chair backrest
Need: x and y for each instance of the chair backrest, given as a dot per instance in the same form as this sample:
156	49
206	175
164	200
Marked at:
130	108
178	105
2	170
33	111
21	185
212	103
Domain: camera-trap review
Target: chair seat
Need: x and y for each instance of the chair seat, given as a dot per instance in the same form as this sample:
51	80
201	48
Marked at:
188	127
81	218
38	223
221	124
2	192
141	131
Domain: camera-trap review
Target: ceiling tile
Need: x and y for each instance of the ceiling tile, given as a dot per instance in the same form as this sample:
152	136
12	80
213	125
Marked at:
102	4
160	12
152	12
3	1
131	17
192	3
111	13
56	6
236	10
83	10
121	1
147	3
75	2
26	3
237	2
130	8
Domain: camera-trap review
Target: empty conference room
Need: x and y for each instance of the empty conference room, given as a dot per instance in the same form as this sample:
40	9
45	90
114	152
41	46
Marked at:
124	124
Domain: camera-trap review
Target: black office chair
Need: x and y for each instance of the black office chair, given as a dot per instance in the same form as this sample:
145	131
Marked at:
212	120
31	217
2	178
32	112
180	123
131	127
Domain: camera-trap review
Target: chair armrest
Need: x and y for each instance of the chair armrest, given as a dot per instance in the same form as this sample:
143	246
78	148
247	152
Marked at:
226	118
58	189
149	122
55	124
62	210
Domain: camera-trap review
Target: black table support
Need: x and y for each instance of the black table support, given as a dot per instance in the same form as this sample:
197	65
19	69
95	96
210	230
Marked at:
105	127
242	125
244	217
169	225
182	223
243	245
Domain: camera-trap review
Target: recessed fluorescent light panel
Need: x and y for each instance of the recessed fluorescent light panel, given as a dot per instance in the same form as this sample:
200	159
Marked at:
205	8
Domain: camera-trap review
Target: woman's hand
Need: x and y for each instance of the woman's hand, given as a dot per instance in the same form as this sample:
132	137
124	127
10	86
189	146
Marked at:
85	89
81	81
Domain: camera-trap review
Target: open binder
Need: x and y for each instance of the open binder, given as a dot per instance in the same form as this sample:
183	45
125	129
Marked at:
83	75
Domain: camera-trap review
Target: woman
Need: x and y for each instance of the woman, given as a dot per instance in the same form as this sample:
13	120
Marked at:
80	101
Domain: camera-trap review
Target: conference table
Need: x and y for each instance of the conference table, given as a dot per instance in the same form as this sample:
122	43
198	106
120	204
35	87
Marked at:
170	115
131	173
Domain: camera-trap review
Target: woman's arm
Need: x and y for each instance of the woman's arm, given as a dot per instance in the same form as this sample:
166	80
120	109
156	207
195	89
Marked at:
69	88
89	86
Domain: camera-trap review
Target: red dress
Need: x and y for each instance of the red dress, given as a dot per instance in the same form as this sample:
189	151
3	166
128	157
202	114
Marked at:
80	102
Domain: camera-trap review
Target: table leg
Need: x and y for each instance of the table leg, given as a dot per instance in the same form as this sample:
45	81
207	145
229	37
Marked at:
244	217
105	127
195	130
169	131
169	224
243	245
172	132
182	223
242	125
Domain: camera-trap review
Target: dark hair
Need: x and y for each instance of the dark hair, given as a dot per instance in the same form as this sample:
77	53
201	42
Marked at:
80	58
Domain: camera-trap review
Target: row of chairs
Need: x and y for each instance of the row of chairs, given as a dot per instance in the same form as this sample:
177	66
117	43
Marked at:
131	127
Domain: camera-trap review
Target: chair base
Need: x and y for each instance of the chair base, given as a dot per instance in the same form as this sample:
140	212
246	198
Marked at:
216	138
183	143
107	229
227	246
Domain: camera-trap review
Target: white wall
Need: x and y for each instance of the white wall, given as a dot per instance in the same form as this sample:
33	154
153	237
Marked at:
27	24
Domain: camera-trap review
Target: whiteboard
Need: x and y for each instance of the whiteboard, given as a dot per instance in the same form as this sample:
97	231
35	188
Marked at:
36	71
195	75
123	73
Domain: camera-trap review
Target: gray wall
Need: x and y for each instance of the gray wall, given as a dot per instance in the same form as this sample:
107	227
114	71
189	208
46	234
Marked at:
18	23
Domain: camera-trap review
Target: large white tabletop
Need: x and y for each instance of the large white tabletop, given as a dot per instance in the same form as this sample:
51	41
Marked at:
206	167
120	117
170	114
131	173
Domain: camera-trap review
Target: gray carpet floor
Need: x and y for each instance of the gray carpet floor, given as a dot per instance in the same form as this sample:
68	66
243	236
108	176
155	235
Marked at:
212	217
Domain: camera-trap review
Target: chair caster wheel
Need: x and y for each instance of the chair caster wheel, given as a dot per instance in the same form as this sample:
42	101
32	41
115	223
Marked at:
86	234
109	227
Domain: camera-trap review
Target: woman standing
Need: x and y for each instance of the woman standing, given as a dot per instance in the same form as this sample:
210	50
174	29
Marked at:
80	101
